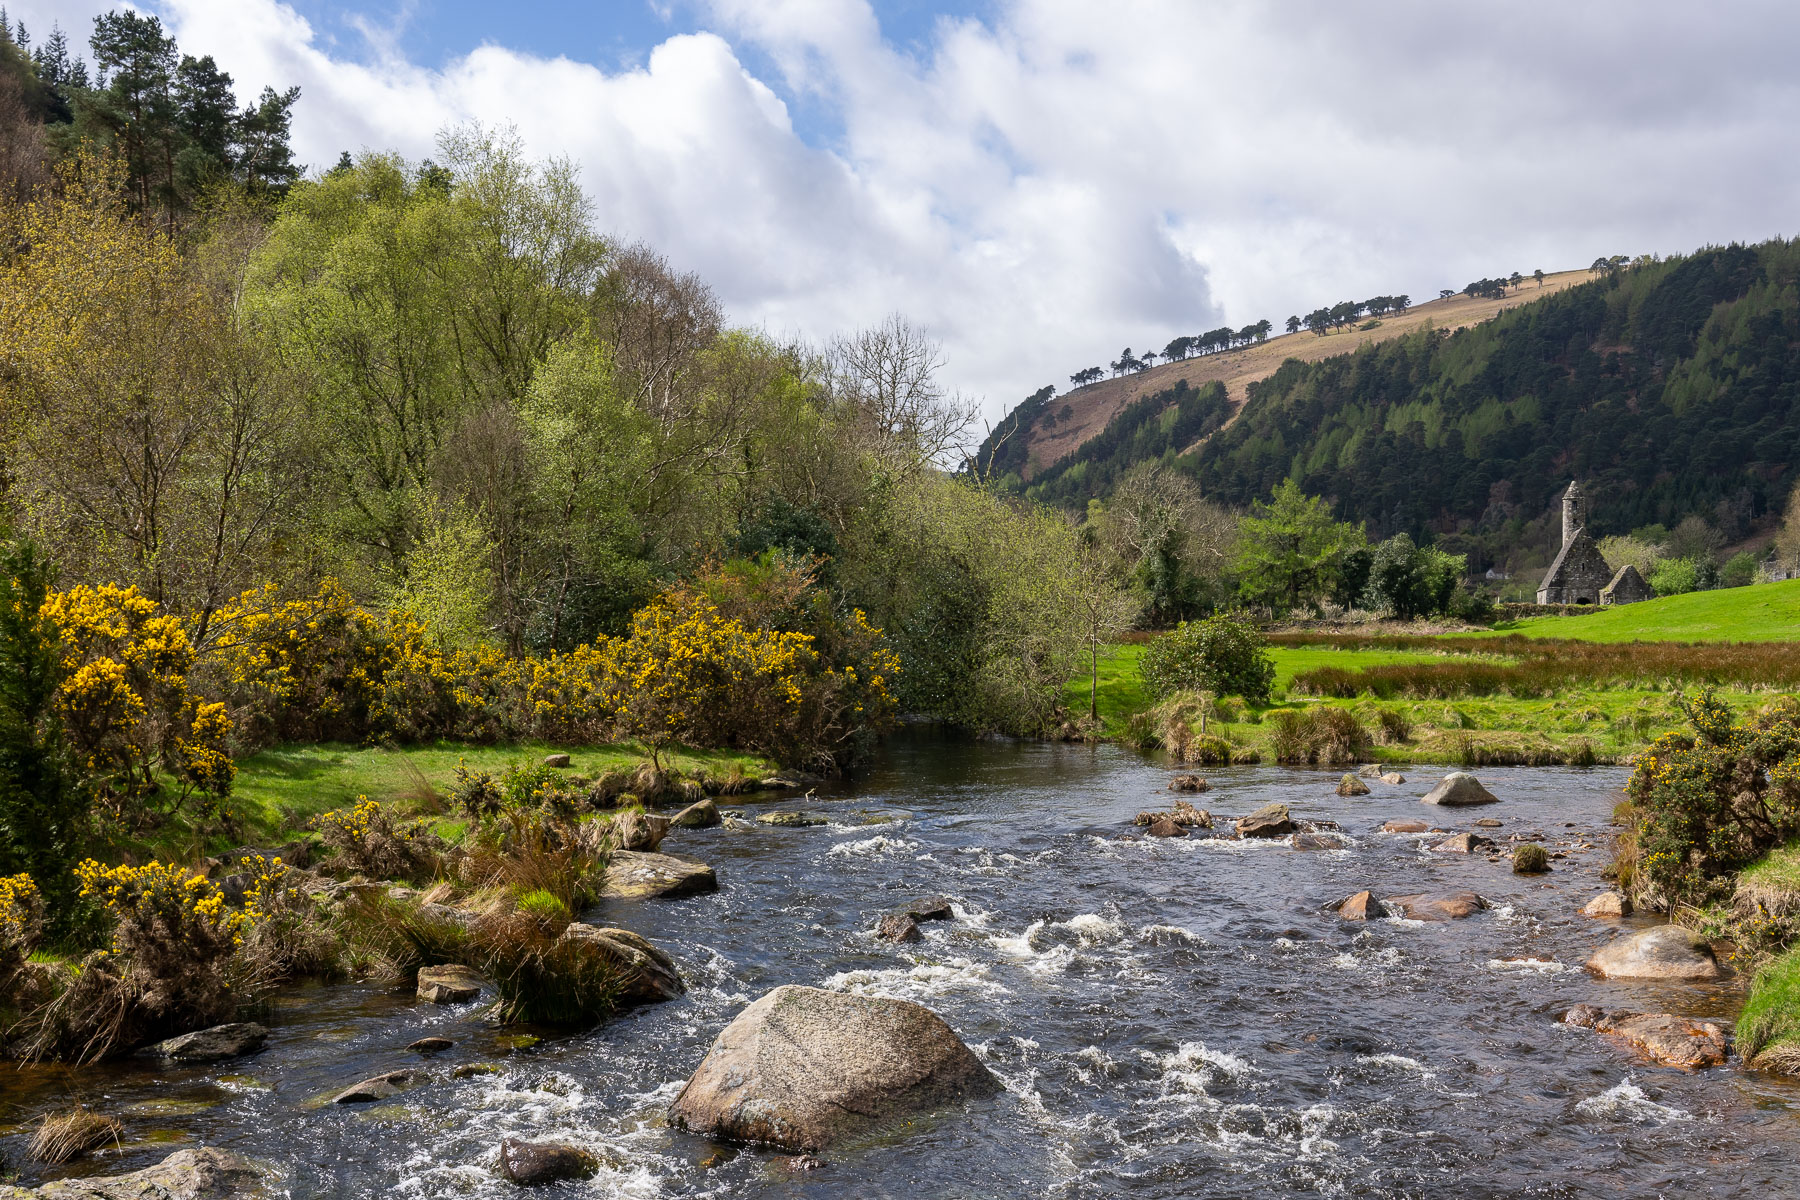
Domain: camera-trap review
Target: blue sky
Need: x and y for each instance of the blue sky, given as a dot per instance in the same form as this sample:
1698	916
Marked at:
614	33
1040	183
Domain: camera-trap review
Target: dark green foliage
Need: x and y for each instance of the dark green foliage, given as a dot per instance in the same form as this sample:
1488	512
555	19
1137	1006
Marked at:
1411	581
1290	553
1739	570
1224	654
44	806
1665	388
1706	804
798	533
1159	426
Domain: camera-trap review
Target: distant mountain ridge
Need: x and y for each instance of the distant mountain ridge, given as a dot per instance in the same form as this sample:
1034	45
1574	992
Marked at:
1669	388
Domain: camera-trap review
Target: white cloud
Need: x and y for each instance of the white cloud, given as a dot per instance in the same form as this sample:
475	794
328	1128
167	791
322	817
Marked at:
1069	178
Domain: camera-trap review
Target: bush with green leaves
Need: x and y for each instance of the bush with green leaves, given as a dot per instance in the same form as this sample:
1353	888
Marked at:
1225	654
1706	804
1675	576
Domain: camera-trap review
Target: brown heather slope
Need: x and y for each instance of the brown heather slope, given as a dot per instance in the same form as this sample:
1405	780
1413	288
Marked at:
1097	403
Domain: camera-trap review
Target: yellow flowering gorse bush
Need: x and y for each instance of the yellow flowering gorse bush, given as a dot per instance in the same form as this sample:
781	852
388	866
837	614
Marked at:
371	842
127	707
21	920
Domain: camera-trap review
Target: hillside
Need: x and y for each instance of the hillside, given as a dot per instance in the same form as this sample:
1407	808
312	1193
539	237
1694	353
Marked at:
1081	414
1670	389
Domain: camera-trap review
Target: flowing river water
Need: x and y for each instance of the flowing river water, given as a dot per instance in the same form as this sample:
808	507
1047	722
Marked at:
1172	1018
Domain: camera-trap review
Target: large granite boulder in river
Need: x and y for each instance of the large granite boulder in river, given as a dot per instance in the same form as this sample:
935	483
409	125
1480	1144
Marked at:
1460	788
531	1163
1665	952
1436	906
803	1067
631	875
200	1174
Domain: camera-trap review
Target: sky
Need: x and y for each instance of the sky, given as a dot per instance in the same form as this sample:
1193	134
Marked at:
1040	183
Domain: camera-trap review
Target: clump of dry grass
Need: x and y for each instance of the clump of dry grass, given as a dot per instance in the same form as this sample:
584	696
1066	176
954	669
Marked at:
68	1135
1323	736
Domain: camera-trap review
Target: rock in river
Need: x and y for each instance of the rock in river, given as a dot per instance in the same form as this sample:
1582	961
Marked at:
1462	843
1676	1041
787	817
636	876
1188	783
1460	788
1165	827
200	1174
899	927
377	1087
1393	777
211	1045
1405	827
802	1067
1361	907
1664	952
1350	785
451	983
1436	906
928	908
701	814
1607	904
1269	821
638	831
527	1163
649	974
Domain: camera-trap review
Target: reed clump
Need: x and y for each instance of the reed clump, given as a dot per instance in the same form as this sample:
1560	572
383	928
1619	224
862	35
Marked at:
65	1136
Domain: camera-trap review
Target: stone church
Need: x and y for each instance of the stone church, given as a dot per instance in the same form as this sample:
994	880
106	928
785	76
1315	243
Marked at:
1580	575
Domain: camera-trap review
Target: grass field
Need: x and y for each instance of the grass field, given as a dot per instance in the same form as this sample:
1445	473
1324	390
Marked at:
278	791
1764	612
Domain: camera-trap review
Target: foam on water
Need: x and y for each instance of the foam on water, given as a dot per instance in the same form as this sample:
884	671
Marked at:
922	981
1628	1102
879	846
1542	966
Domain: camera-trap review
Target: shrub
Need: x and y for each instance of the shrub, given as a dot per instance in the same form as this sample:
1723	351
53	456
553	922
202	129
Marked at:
540	786
1323	736
1708	803
476	793
174	935
282	936
371	842
21	922
1223	654
1673	576
44	801
125	705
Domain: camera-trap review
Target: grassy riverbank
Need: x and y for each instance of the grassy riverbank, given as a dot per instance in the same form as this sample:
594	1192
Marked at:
1538	690
278	791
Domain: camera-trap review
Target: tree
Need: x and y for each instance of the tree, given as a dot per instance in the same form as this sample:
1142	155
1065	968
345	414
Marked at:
1224	654
1445	293
44	805
1170	541
1402	302
1104	606
888	376
1293	324
137	107
1289	551
1787	541
1515	279
1539	276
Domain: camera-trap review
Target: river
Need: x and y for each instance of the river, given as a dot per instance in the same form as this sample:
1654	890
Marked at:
1172	1018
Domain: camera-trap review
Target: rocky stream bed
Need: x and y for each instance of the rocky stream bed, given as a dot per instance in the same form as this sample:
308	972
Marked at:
1165	1016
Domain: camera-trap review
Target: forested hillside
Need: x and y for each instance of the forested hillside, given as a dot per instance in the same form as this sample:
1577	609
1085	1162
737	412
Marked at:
1670	388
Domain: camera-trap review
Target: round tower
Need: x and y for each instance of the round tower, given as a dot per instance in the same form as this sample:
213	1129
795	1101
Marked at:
1574	512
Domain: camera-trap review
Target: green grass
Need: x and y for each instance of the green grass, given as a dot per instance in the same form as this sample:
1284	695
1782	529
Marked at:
278	791
1764	612
1770	1019
1121	691
1779	870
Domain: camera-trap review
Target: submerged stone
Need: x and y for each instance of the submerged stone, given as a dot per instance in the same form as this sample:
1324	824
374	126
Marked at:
1676	1041
211	1045
1269	821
